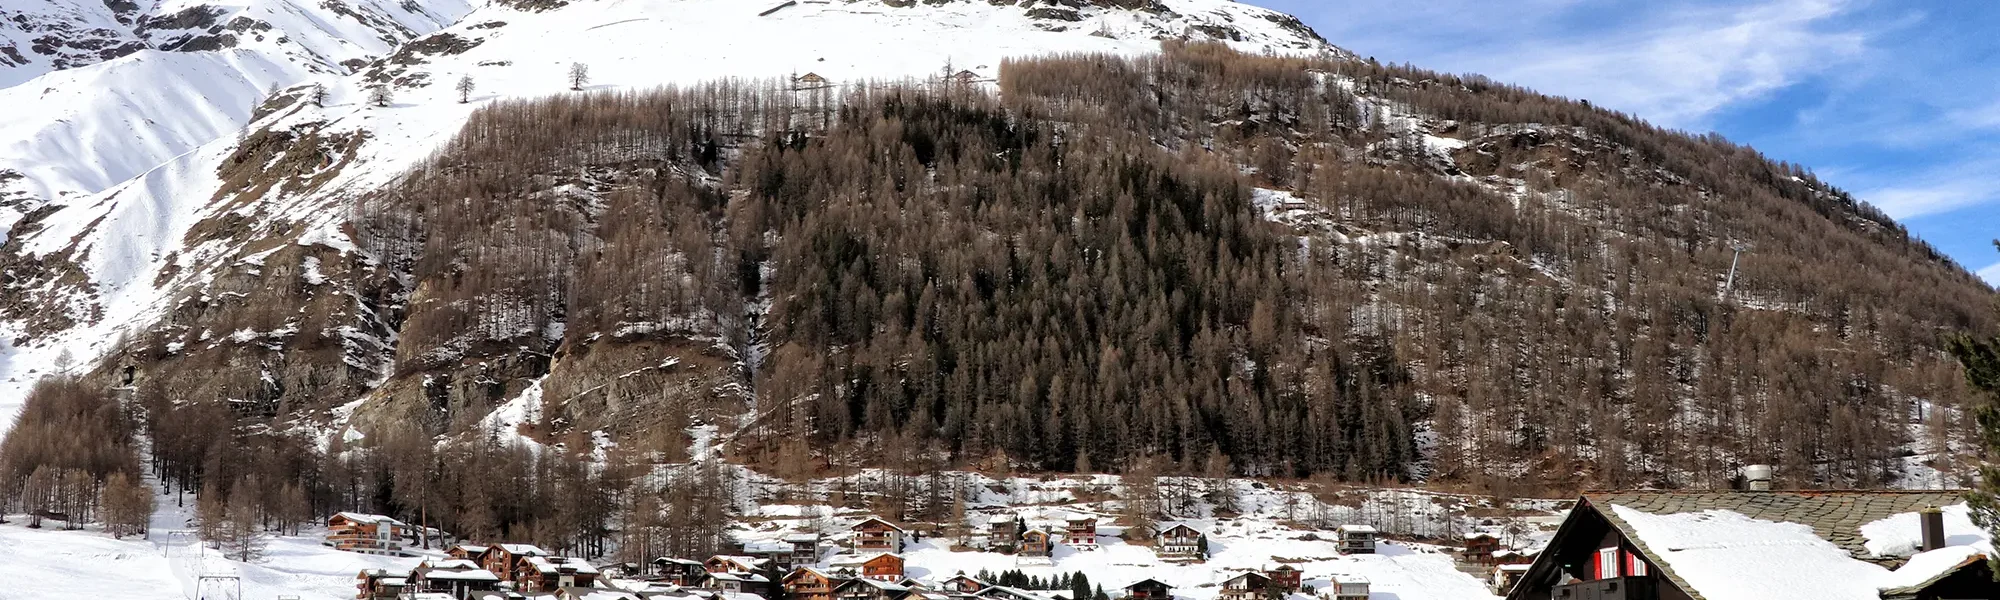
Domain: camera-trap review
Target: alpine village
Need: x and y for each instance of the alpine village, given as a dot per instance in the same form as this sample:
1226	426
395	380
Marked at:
996	300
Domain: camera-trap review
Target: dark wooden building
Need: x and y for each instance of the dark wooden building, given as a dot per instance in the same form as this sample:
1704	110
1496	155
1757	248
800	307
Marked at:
1778	545
1149	589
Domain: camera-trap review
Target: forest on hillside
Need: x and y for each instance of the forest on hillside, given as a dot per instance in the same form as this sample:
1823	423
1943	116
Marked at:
1080	271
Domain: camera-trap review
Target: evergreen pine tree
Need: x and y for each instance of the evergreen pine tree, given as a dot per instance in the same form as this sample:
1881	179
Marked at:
1981	358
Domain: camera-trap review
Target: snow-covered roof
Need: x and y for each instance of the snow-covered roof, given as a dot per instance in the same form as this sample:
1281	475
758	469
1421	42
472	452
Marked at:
1926	568
802	537
748	561
1713	550
470	548
669	560
745	577
465	575
767	546
368	519
1901	534
1515	567
855	560
552	564
453	564
878	520
596	593
523	549
1356	529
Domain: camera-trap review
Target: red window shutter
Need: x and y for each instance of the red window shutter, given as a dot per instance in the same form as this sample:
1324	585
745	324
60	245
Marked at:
1634	565
1607	563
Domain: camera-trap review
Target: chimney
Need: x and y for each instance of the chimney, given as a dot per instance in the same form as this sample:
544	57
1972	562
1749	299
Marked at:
1932	520
1757	478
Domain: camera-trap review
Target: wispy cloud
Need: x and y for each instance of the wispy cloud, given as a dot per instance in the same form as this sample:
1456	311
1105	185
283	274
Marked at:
1937	190
1675	64
1991	274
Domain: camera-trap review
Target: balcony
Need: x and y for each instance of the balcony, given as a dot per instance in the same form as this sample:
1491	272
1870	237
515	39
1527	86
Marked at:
1620	588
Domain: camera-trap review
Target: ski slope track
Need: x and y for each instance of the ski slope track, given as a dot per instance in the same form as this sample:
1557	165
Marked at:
111	161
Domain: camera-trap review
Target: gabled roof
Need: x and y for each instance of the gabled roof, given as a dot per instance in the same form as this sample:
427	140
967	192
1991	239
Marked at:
809	571
1356	529
669	560
875	519
1148	579
802	537
1927	568
1834	515
368	519
1248	575
859	559
875	583
1799	544
522	549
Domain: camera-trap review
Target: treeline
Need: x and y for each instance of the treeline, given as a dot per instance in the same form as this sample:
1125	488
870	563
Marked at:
1074	274
70	456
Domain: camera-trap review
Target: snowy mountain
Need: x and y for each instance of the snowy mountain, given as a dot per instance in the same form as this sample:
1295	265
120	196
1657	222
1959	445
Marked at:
1479	280
98	93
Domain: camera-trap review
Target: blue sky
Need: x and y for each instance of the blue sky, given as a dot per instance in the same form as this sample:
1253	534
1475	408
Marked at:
1897	102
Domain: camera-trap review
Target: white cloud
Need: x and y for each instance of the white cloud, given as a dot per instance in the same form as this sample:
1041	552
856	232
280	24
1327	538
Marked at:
1991	274
1675	64
1684	66
1936	190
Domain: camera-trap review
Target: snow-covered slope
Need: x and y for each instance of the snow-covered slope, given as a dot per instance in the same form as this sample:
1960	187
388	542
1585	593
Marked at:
109	261
96	93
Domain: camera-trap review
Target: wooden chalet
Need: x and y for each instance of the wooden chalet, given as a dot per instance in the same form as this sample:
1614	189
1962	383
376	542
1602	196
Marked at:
1479	549
1035	543
1081	532
367	534
875	534
809	583
1149	589
734	563
869	589
809	80
1356	539
1247	585
741	583
1284	578
550	573
1346	587
965	77
804	549
379	584
460	581
1773	545
963	584
1003	532
1504	577
679	571
1181	541
880	566
507	558
470	552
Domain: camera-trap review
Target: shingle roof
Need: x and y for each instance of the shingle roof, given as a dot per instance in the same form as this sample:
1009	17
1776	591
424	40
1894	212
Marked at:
1834	515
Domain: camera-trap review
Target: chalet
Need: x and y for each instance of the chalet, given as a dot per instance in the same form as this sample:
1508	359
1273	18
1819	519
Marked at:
1081	532
1504	576
805	549
1357	539
1035	543
808	583
877	535
470	552
1509	556
1479	549
1246	586
1346	587
506	559
965	77
1772	545
869	589
809	80
679	571
550	573
594	593
1284	578
728	563
741	583
1003	532
1149	589
1181	541
1001	592
775	554
964	584
367	534
460	581
879	566
379	584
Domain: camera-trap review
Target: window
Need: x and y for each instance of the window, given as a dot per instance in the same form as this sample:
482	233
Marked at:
1607	563
1634	565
